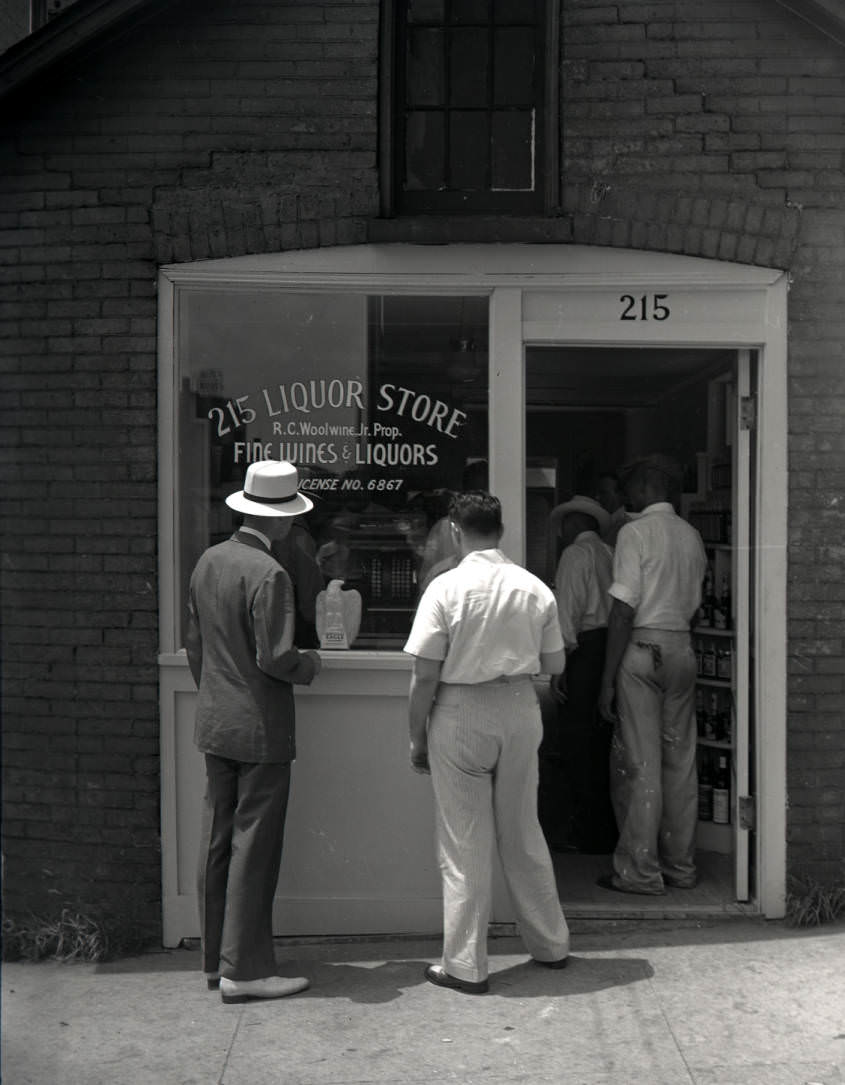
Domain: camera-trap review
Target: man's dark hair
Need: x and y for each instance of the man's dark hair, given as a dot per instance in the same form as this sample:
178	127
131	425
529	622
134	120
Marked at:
662	472
477	512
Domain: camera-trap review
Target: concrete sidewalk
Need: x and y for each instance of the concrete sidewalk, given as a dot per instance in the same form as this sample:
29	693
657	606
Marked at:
727	1002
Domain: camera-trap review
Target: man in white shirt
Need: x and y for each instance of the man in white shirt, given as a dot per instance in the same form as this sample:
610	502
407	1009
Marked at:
582	582
658	568
480	632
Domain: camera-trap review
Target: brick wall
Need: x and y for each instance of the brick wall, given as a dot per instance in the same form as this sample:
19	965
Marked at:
220	129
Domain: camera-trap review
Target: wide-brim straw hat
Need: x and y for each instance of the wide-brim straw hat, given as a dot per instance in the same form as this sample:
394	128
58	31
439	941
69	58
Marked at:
585	505
271	488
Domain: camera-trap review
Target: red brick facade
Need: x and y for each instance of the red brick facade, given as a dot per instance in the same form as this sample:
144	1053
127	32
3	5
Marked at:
217	130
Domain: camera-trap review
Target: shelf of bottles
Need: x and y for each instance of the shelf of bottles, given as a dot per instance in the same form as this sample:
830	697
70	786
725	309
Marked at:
713	642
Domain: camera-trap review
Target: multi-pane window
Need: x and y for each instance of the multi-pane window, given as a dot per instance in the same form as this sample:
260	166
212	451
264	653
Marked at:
469	109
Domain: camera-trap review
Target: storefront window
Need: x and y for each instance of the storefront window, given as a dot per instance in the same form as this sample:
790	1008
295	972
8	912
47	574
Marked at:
380	401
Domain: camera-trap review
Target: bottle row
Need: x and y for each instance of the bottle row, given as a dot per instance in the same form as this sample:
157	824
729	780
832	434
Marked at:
714	715
714	660
714	787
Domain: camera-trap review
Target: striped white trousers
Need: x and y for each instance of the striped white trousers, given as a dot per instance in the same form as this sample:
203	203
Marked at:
482	745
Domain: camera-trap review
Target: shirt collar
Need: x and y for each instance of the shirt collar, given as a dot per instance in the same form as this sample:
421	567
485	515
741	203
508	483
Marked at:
658	506
258	534
493	554
585	536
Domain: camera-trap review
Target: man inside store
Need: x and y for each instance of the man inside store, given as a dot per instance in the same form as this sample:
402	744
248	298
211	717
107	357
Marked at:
240	649
648	685
582	582
609	495
480	632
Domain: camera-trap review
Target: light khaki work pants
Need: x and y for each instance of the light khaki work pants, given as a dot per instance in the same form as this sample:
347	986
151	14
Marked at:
653	774
482	746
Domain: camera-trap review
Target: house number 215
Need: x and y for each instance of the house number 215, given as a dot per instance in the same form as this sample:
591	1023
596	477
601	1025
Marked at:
645	307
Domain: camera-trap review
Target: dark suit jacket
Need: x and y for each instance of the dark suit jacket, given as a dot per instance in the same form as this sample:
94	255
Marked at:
240	649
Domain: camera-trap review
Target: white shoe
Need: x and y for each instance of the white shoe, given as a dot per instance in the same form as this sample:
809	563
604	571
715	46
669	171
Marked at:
269	987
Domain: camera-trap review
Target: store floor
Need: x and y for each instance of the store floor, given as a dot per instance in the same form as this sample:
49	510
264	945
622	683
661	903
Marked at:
580	896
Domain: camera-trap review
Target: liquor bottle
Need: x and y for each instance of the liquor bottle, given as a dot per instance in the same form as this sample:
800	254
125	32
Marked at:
722	606
725	601
722	793
699	656
700	713
708	660
723	722
724	663
712	719
705	792
708	599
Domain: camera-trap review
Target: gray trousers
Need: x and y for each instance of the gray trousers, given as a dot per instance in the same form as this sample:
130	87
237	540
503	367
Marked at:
653	774
482	745
243	828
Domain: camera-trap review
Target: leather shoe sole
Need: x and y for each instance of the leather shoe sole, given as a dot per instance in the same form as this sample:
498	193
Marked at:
560	963
436	975
608	881
233	991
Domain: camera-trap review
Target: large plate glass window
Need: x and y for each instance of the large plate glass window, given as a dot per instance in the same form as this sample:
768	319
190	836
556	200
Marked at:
380	401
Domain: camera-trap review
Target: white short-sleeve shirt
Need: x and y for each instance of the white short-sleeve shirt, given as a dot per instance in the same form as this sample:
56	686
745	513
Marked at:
658	568
485	619
582	581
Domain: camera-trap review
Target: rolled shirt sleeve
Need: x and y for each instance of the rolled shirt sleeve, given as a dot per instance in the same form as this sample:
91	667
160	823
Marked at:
551	640
571	585
429	636
627	584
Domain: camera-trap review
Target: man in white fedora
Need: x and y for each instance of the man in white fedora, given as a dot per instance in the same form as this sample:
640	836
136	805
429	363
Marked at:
240	649
582	583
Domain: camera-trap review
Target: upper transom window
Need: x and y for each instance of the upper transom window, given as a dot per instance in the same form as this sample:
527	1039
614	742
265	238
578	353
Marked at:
469	106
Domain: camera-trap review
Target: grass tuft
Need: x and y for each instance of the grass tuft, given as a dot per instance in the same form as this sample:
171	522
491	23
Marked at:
809	904
70	936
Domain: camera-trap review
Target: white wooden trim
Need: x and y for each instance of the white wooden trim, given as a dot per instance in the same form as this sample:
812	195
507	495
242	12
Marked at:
418	267
741	439
167	400
770	617
506	436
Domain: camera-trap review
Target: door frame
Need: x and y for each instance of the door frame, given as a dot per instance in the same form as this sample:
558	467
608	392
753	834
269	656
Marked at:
540	295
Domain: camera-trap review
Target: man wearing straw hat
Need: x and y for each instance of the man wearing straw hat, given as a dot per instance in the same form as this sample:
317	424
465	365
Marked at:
240	649
582	582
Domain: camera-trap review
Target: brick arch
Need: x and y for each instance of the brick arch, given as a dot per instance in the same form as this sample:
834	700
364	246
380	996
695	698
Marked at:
217	222
704	225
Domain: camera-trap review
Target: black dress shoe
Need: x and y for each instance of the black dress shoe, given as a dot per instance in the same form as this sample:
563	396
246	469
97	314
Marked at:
608	881
436	975
562	962
673	883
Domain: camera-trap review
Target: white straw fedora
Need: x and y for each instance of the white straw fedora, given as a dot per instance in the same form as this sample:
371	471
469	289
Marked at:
271	488
581	504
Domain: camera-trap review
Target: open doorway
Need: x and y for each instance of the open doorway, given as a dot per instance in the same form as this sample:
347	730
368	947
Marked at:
589	410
